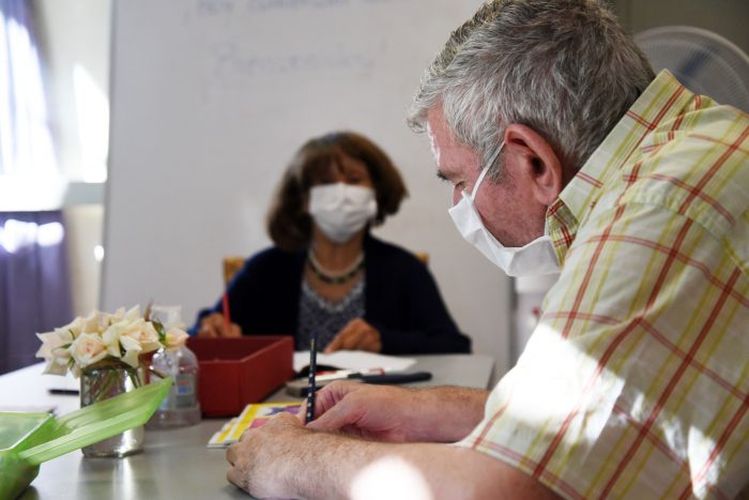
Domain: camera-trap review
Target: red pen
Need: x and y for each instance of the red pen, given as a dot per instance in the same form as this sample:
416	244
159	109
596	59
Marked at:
227	315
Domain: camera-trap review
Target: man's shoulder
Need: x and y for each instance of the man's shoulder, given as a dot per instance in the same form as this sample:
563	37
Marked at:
696	165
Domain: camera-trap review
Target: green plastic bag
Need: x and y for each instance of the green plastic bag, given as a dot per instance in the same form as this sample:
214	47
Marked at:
28	439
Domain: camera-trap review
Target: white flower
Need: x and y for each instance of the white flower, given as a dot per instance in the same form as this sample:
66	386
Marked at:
54	350
87	348
75	327
121	336
117	316
175	337
95	322
144	333
121	315
57	366
133	313
111	338
50	342
133	349
128	339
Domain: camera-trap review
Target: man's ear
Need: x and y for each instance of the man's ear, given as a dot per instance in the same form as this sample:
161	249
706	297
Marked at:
535	162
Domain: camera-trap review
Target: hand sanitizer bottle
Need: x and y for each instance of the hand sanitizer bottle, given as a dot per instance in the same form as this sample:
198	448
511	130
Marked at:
181	407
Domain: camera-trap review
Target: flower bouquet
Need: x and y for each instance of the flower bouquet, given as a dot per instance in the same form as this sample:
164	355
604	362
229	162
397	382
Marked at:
121	338
106	351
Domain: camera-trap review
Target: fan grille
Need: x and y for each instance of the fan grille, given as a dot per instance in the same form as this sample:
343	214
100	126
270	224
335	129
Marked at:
703	61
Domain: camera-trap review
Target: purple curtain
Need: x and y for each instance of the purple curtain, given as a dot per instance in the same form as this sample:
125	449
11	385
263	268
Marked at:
34	281
26	145
35	294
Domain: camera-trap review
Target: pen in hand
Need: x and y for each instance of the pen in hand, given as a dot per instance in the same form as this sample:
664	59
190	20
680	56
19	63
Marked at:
310	415
225	312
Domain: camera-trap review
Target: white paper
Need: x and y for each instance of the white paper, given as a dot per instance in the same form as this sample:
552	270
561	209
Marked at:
355	360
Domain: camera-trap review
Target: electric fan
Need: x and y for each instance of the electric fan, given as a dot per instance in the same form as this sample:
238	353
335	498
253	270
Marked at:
706	63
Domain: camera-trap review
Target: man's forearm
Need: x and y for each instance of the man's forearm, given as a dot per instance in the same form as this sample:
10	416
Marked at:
448	413
335	466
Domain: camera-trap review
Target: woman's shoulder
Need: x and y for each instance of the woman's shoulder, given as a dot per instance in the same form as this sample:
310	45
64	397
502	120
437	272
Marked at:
385	251
270	258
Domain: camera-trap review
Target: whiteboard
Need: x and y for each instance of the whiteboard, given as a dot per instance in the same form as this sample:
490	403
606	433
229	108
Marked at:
210	99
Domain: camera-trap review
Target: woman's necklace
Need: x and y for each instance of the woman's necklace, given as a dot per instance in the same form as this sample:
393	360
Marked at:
333	277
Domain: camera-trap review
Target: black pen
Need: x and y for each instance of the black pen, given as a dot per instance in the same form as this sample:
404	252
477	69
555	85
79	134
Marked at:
311	388
385	378
64	392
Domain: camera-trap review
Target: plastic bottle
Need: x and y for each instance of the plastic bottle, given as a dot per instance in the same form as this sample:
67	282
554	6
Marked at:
181	407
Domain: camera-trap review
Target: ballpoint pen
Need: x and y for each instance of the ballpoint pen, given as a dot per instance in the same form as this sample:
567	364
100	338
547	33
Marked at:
311	388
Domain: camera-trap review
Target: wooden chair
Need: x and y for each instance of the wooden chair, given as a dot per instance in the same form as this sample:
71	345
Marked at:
232	264
423	257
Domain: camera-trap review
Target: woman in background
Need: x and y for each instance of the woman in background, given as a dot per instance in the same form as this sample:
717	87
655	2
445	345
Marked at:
326	273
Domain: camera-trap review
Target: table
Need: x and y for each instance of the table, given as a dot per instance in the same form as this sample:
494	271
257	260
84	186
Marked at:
175	463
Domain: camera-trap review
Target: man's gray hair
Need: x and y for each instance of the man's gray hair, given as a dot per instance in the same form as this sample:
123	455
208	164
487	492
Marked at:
565	68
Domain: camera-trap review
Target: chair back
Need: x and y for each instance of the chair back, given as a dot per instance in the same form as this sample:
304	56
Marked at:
232	264
423	257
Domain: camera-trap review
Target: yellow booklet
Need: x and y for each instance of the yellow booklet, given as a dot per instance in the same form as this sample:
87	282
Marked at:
253	415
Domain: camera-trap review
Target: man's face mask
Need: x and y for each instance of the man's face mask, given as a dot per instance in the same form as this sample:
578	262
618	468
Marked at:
533	259
341	210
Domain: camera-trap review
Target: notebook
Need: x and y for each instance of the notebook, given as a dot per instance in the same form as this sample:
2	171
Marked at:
253	415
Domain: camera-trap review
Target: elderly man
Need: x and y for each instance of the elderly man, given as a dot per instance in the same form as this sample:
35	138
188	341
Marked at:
567	154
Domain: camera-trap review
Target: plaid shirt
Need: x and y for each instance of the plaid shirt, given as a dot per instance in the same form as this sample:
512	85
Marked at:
635	383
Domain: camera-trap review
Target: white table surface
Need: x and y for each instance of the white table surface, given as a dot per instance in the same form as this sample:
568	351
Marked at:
174	463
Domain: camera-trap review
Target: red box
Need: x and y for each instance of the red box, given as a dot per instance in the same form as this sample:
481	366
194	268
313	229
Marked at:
237	371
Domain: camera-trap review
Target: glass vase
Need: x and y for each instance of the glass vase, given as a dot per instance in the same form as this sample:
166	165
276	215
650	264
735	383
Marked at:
105	380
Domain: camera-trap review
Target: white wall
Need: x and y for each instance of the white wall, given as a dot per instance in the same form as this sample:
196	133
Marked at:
76	35
83	224
211	98
75	39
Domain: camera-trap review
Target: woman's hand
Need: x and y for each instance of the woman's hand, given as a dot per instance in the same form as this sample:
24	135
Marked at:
214	325
356	335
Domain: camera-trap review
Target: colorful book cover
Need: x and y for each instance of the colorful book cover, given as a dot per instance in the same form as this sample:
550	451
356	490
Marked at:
253	415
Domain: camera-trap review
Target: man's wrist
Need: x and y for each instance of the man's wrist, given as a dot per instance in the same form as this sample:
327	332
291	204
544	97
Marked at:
326	466
462	407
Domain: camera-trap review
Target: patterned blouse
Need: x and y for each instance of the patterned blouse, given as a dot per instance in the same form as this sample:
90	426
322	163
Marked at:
325	316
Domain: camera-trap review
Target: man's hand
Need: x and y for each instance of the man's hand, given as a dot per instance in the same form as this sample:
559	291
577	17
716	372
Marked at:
385	413
397	414
356	335
214	325
258	461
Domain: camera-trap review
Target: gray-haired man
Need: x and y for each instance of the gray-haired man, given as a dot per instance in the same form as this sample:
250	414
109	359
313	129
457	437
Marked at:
566	154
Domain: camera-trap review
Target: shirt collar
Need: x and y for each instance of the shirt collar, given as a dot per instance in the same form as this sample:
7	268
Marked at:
661	101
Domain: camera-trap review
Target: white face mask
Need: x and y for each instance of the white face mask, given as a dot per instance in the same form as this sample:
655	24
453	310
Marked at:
535	258
341	210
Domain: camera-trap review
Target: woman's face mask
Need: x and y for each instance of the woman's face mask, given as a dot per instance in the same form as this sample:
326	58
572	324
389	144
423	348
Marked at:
341	210
533	259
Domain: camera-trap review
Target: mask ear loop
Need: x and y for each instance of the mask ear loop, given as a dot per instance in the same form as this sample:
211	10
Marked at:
485	170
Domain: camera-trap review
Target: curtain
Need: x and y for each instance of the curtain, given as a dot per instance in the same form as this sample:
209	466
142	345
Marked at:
35	293
34	280
26	146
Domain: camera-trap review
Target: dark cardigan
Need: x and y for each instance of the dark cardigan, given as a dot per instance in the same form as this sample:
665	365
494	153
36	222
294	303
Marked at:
401	299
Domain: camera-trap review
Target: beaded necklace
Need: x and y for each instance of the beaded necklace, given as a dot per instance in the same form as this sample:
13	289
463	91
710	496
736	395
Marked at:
331	277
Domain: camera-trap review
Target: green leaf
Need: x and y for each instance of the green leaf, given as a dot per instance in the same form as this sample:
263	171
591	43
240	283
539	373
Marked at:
160	330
